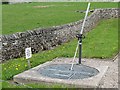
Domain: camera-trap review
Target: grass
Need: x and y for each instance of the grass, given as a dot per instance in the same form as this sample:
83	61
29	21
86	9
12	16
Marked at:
101	42
22	17
33	85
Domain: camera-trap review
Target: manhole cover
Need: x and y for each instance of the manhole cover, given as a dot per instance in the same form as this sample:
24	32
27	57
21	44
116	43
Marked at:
62	71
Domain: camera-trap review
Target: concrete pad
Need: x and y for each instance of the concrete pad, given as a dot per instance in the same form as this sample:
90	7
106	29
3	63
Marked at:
33	75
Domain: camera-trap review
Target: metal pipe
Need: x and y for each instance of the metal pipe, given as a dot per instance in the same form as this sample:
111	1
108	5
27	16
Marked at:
80	36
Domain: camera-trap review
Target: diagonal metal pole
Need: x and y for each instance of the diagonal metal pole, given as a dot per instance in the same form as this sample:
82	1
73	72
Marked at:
80	36
81	32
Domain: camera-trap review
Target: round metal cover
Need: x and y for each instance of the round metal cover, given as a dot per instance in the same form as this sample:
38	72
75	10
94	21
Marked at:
62	71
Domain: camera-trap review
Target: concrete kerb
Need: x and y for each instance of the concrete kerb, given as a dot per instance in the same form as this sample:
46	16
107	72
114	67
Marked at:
33	75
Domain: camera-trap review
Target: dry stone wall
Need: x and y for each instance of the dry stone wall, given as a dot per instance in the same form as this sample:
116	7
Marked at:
13	46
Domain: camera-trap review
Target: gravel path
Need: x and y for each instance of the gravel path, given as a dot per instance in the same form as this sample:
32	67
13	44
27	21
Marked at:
110	79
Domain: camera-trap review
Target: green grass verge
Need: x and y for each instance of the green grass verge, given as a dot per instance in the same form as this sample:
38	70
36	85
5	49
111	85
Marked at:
101	42
33	85
22	17
10	85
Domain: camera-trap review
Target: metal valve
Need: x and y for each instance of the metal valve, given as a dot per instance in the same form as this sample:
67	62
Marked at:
80	36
